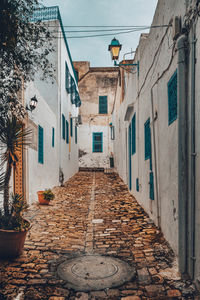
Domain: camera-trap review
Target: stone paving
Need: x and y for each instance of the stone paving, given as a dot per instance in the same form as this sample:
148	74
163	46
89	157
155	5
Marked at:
93	213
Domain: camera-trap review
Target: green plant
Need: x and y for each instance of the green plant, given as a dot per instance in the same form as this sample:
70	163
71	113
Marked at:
13	220
48	195
13	138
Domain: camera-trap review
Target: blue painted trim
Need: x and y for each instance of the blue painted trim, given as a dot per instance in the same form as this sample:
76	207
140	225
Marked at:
40	145
53	137
133	134
49	14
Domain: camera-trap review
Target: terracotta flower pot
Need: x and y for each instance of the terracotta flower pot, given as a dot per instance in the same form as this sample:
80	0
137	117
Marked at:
41	198
12	242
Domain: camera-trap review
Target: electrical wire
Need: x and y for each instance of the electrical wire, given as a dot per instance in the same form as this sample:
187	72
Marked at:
106	26
99	35
99	30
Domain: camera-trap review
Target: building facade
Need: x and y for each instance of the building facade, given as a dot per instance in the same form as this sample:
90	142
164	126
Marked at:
156	117
97	88
53	153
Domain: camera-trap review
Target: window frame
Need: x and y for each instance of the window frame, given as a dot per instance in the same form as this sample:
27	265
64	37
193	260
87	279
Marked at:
95	142
102	106
172	98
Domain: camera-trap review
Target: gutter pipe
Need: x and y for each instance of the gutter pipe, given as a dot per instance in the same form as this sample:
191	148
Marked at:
192	160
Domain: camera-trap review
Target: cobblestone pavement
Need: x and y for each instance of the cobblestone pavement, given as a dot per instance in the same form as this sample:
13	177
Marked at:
95	213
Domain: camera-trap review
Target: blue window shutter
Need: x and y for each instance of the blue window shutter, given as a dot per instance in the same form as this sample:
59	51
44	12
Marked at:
151	182
63	127
137	185
172	98
71	127
40	145
97	142
76	134
147	139
103	105
134	134
53	137
67	78
73	91
67	132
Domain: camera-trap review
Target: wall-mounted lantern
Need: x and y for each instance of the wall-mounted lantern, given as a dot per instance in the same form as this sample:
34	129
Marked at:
114	49
32	104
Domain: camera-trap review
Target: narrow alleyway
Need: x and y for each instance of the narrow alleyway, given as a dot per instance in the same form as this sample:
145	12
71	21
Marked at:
93	213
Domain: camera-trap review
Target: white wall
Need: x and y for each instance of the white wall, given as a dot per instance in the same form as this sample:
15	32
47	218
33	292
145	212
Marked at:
53	101
165	149
91	159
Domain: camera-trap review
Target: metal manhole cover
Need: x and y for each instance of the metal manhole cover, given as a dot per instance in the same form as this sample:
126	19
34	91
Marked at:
94	272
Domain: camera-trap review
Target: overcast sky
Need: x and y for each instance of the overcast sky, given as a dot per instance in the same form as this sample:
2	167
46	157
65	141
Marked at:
103	12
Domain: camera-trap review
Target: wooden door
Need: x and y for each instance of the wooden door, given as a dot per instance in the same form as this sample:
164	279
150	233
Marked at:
18	172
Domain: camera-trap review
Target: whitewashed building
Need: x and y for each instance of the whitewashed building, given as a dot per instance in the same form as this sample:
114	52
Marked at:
54	147
97	88
156	120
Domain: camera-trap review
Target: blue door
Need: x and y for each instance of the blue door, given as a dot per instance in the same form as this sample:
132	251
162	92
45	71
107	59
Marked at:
148	155
129	157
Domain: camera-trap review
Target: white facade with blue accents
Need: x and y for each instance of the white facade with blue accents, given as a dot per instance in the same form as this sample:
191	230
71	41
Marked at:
156	119
54	121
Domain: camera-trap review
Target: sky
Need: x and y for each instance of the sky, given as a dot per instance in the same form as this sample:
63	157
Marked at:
107	13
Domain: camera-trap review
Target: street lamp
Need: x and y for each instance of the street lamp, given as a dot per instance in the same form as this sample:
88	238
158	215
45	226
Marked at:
114	49
32	104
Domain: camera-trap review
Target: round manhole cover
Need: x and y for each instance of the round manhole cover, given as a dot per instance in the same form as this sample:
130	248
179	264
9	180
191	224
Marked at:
94	272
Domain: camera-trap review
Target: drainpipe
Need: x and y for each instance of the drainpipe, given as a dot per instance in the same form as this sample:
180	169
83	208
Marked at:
182	152
155	158
193	152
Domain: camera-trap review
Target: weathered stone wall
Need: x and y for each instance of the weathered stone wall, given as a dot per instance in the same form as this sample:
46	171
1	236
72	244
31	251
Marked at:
94	83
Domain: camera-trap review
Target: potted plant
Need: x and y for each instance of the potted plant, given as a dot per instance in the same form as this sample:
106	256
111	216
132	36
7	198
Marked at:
46	196
13	227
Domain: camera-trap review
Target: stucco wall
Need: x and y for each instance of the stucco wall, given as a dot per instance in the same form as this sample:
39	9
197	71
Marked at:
53	101
154	56
96	82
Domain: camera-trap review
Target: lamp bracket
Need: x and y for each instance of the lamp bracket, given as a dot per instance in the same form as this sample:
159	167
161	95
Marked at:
125	65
